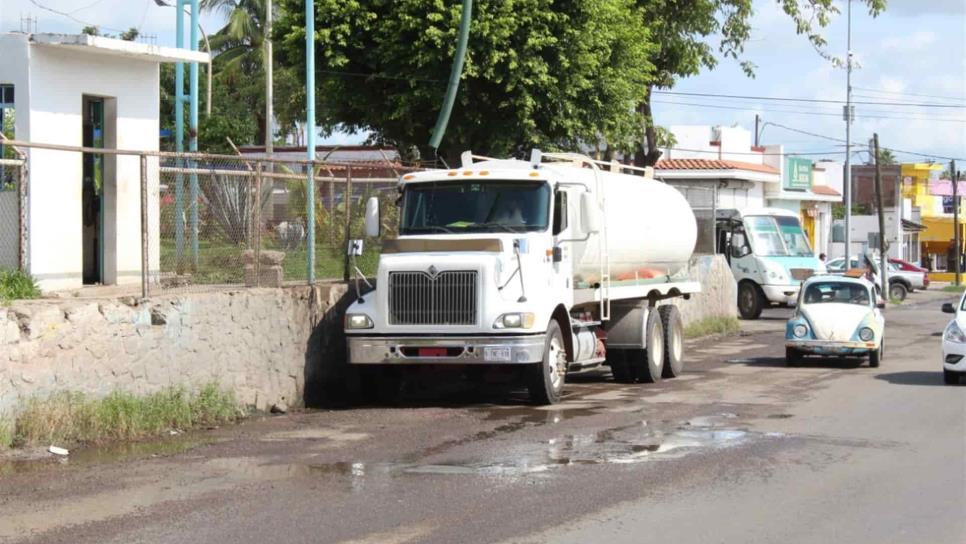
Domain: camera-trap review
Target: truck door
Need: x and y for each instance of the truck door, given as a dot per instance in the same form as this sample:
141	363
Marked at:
562	257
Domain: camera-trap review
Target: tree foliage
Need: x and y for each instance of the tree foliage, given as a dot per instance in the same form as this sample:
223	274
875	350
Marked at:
537	72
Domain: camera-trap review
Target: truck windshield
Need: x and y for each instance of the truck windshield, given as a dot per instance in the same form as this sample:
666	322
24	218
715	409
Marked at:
777	236
460	207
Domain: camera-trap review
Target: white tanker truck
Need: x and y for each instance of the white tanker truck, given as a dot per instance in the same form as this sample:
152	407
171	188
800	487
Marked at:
551	266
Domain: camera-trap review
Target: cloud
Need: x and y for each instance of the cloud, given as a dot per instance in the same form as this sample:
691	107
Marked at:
916	41
926	7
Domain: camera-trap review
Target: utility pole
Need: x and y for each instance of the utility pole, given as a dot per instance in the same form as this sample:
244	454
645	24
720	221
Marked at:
847	186
310	138
757	119
269	110
883	270
956	240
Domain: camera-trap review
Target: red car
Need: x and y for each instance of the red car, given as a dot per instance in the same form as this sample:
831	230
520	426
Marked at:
909	267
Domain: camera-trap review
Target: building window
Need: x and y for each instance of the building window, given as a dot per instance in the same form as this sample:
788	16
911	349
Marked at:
838	233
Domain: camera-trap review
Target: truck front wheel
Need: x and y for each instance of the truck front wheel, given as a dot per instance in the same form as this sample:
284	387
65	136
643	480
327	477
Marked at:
750	300
546	379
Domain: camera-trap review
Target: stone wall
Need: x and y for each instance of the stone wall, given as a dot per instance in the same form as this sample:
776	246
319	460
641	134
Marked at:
261	343
719	291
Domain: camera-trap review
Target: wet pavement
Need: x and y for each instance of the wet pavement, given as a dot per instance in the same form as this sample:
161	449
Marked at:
740	448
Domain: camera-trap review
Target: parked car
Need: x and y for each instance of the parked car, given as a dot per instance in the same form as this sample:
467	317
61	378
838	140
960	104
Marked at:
906	266
900	284
954	343
836	316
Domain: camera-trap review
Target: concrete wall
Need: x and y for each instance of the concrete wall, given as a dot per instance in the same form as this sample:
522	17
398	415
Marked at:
262	343
719	292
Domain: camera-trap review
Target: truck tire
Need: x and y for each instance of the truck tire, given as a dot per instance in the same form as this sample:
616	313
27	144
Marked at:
546	379
750	300
619	366
673	341
898	291
648	364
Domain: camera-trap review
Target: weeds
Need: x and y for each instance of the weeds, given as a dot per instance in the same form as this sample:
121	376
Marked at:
952	288
16	285
712	325
73	418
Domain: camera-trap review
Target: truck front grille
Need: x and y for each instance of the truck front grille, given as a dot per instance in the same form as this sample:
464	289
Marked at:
416	298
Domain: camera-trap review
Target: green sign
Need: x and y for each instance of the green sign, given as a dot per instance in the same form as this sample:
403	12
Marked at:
798	174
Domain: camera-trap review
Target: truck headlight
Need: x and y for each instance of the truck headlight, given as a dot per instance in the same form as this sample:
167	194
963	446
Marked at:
800	331
866	334
514	321
357	321
954	333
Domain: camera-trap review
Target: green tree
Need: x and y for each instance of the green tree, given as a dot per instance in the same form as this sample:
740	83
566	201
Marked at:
130	35
886	157
537	72
692	35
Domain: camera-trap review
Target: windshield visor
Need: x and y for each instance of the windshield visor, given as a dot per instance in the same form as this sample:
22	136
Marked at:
457	207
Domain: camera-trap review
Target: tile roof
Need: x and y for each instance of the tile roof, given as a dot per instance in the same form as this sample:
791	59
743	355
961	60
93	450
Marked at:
712	164
825	190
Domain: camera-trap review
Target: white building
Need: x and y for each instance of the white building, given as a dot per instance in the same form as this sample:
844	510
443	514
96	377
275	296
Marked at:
743	175
84	209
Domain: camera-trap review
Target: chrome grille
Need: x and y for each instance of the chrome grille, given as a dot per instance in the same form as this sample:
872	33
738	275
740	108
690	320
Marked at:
416	298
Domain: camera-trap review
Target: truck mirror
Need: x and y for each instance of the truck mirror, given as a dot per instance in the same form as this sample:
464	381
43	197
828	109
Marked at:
372	217
589	214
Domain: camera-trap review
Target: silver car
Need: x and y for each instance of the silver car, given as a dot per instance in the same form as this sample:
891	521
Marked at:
901	282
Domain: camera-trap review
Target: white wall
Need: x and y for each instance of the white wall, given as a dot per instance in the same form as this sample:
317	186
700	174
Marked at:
58	79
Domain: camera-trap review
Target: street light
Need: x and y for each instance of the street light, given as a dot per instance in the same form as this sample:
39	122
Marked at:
163	4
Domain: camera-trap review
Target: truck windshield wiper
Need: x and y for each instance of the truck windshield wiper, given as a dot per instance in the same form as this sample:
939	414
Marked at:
503	226
437	228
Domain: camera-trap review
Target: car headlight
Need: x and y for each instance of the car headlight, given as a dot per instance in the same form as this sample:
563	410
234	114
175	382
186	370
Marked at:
866	334
514	321
800	330
357	321
954	333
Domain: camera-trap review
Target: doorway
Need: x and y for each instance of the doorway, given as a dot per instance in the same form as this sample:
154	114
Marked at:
93	191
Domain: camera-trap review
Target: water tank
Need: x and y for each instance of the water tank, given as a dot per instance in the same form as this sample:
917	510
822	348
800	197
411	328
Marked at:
651	230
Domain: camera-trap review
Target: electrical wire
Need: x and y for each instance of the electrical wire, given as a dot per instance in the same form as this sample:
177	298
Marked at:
807	100
72	18
858	115
938	97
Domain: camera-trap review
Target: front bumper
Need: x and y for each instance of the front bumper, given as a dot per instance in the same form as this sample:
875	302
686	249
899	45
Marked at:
466	350
782	294
951	350
830	347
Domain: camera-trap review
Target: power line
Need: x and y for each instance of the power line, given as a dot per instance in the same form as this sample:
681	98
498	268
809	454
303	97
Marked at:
893	149
72	18
808	100
756	154
939	97
813	113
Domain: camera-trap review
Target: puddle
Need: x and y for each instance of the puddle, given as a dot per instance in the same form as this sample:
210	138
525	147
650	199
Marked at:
84	456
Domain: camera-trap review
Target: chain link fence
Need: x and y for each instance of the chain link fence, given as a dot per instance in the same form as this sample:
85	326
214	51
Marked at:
209	221
702	199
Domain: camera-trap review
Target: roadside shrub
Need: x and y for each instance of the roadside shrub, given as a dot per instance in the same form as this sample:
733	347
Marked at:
712	325
17	285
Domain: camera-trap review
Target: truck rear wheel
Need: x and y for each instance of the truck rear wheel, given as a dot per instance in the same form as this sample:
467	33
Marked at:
673	341
546	379
750	300
648	364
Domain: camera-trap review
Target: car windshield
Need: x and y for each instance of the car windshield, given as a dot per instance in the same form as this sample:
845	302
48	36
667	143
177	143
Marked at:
777	236
840	292
459	206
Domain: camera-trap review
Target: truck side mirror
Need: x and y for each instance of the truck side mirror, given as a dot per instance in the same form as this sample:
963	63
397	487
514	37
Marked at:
372	217
589	214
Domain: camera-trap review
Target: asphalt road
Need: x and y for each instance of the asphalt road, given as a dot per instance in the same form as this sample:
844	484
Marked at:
739	449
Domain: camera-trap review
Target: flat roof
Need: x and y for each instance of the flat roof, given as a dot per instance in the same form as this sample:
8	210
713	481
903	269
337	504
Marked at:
100	45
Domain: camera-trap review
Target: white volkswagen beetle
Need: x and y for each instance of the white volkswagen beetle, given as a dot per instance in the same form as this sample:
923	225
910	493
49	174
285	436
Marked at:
954	343
836	316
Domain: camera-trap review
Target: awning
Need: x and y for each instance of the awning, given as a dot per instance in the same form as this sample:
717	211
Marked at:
938	229
912	226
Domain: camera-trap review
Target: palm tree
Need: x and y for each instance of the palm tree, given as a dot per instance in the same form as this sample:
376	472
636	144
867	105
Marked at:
886	157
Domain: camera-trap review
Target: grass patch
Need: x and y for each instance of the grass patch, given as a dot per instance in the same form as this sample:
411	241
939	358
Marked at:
73	418
6	433
712	325
954	288
17	285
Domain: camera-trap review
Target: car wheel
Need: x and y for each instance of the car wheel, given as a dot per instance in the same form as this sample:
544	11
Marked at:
792	356
950	377
875	357
898	291
750	300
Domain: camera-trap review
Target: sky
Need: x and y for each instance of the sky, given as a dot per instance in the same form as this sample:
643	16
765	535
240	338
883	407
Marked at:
914	53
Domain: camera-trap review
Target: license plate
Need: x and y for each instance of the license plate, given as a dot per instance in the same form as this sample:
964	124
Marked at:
497	354
432	352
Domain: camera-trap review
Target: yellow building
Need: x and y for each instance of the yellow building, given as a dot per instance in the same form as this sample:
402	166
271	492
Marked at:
936	240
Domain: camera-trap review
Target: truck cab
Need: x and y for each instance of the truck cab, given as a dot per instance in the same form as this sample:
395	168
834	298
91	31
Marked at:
769	256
